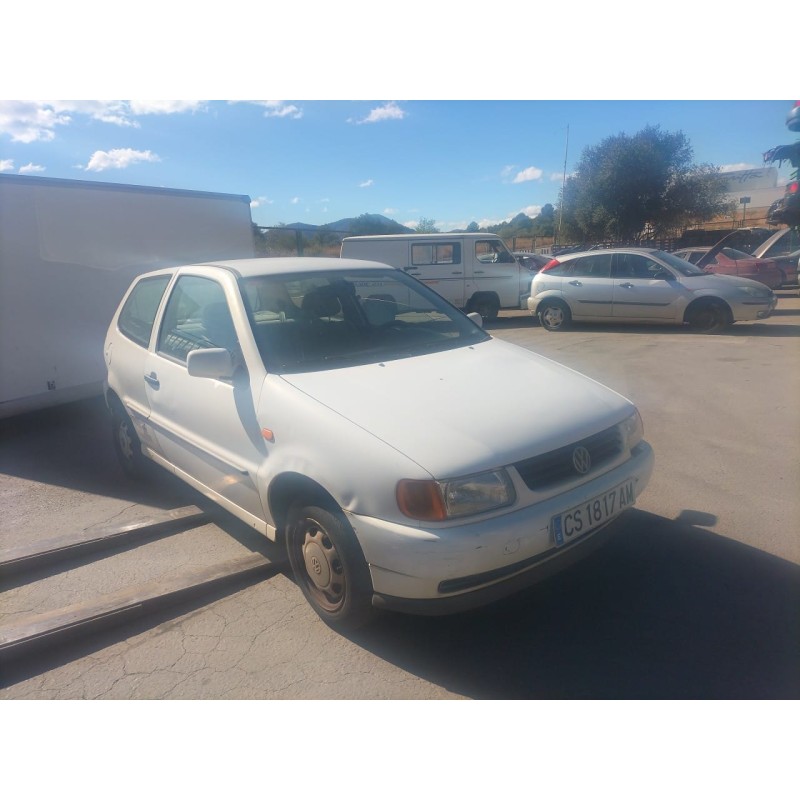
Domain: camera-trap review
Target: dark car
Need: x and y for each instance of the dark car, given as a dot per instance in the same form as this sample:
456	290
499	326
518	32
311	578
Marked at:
531	261
729	261
783	247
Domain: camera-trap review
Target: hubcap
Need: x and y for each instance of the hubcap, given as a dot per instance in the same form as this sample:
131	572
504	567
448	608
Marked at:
553	316
323	566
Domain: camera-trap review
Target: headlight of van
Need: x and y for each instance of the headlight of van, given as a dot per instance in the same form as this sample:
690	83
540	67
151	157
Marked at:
435	501
631	430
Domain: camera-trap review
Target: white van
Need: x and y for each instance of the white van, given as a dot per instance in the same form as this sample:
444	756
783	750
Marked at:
474	271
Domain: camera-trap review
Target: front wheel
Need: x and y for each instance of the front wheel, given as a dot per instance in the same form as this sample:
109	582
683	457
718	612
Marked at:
329	567
553	316
709	318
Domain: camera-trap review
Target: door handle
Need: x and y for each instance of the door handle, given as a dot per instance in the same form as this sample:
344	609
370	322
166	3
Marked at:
626	285
575	283
409	269
152	379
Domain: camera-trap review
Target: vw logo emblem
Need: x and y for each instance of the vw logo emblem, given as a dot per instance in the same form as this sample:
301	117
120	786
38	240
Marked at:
316	565
581	460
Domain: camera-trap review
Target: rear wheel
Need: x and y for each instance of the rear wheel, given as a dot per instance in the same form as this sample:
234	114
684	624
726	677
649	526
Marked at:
127	445
329	566
709	318
554	316
487	305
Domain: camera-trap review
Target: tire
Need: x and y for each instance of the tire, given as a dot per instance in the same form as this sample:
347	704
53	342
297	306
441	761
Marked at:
554	316
487	306
127	445
329	566
709	318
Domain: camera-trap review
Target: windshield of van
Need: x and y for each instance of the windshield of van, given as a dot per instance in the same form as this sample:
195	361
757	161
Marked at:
323	320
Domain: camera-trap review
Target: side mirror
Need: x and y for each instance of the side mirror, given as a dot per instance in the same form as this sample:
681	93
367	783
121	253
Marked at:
214	362
476	318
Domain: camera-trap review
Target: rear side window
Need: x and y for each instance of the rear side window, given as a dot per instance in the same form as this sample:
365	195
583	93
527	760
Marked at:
592	266
139	312
441	253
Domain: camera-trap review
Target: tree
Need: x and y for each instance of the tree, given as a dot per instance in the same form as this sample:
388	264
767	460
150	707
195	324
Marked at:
627	187
426	225
473	227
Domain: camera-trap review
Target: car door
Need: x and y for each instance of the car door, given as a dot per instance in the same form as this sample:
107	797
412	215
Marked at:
126	354
589	288
495	270
440	265
643	288
205	428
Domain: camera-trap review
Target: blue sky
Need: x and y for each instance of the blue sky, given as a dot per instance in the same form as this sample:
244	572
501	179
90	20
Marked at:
318	161
417	110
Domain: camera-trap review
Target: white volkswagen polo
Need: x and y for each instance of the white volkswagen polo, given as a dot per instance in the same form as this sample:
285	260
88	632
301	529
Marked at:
343	408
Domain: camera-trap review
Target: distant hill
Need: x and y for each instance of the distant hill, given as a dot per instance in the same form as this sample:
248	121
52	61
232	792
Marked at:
365	224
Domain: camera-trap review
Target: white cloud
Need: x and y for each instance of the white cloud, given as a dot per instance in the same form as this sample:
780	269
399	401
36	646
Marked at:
37	121
7	165
31	167
257	202
388	110
294	201
528	174
737	167
531	211
411	223
389	211
366	183
118	159
30	122
279	108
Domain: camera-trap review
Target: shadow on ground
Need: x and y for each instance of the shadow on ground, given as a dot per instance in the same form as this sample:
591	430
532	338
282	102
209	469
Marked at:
665	610
71	446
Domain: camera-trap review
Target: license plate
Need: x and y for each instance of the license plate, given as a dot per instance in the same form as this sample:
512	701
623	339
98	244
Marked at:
591	514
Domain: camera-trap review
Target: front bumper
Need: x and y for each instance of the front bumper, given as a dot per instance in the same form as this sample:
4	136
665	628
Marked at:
450	568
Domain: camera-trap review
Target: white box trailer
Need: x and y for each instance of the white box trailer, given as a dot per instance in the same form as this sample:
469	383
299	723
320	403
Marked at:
474	271
68	251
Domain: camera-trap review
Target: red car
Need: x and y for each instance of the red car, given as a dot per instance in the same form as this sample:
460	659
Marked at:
727	261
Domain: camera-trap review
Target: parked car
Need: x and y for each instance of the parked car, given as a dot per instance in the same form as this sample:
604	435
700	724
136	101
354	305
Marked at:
531	261
304	398
643	285
729	261
783	247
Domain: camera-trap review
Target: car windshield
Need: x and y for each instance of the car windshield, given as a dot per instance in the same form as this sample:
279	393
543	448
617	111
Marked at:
305	322
685	268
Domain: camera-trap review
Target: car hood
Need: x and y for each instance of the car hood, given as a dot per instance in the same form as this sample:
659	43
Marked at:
462	411
717	281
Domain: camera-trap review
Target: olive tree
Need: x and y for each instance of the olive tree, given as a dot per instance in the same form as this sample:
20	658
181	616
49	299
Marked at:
627	187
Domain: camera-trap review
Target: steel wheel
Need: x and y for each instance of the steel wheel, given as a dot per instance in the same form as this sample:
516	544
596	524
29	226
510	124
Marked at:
329	567
554	316
126	443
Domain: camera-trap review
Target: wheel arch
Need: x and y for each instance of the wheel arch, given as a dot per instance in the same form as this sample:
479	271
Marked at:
707	300
291	487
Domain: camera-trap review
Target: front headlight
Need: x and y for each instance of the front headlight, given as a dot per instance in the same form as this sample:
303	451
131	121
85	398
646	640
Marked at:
756	291
631	430
459	497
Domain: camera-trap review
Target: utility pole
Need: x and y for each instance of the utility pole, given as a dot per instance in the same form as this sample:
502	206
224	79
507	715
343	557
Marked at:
563	182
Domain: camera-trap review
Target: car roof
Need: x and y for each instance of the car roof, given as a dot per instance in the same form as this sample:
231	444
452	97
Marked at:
253	267
580	253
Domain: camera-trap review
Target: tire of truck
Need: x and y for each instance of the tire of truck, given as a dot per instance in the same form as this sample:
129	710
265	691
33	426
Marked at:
487	304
